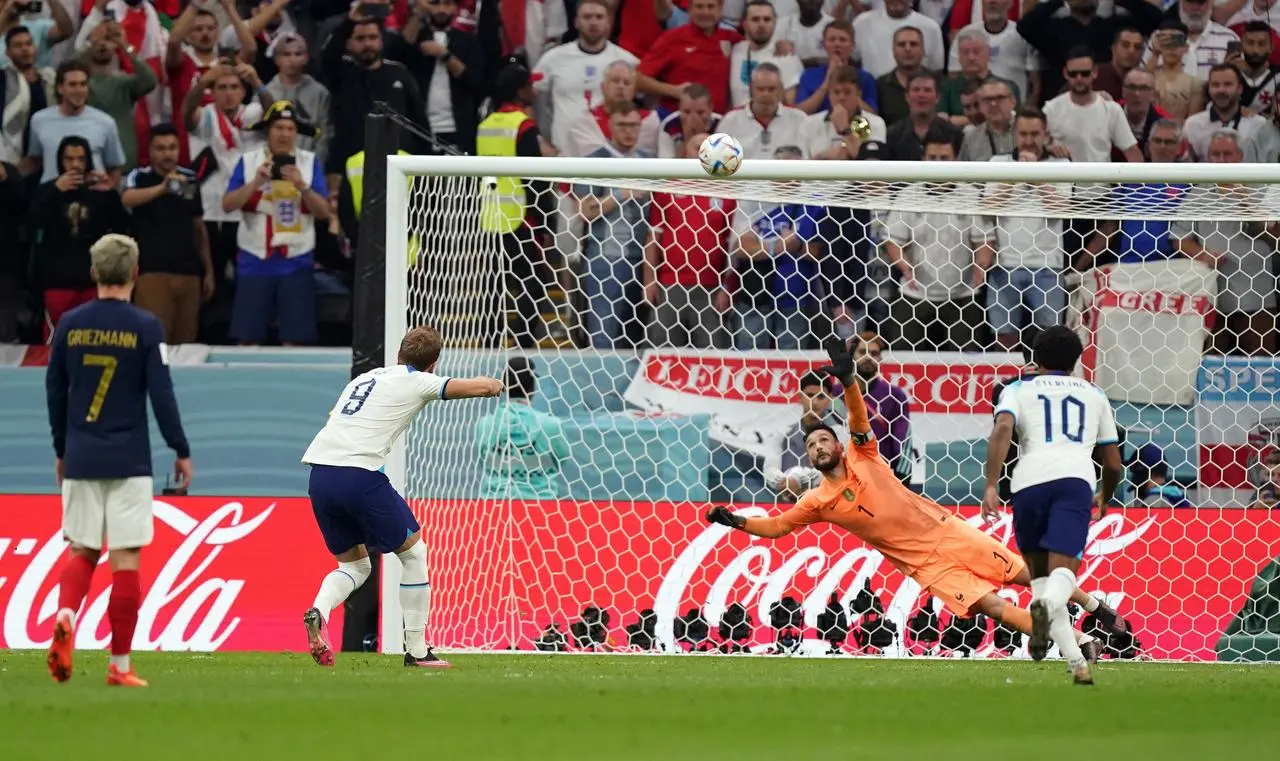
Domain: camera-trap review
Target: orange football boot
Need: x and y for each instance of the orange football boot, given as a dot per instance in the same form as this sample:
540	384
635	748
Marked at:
118	678
64	640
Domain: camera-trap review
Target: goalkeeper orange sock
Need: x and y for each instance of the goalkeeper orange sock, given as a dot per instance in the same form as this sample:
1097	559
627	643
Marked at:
1016	618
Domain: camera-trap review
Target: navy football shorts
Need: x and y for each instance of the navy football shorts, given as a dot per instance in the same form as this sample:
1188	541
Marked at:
358	506
1053	516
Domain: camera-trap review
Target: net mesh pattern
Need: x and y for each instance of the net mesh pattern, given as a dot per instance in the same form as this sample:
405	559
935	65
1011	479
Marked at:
669	328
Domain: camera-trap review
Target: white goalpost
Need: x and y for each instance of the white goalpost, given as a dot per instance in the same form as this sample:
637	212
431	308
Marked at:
671	374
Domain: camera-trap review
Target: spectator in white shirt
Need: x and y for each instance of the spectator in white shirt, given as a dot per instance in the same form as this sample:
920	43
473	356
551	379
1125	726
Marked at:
1259	139
1012	58
1207	39
1025	287
1087	123
877	27
758	47
571	75
764	124
590	131
804	29
695	116
829	134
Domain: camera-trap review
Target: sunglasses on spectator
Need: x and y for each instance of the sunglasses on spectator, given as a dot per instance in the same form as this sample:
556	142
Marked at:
1074	73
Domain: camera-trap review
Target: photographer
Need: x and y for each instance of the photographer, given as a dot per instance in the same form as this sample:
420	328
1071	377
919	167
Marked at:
114	91
282	192
68	215
175	269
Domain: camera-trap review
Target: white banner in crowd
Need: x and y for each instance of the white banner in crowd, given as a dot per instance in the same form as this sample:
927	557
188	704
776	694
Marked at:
1144	328
752	396
1238	427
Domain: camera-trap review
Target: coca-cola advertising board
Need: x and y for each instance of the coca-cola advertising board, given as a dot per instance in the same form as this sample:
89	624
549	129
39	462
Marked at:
1179	575
752	397
223	573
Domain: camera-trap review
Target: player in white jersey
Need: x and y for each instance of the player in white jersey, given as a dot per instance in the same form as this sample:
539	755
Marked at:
1060	421
355	505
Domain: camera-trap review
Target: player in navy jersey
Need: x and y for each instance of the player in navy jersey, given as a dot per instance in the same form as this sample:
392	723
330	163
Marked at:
355	505
106	359
1060	420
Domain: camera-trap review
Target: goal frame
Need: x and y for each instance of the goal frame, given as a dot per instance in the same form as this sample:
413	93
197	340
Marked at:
402	169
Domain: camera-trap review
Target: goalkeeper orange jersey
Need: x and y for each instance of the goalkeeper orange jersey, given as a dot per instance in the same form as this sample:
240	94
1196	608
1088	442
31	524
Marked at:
872	504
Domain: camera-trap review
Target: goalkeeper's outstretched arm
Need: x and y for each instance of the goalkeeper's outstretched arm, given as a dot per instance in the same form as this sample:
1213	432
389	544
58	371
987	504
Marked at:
767	528
842	369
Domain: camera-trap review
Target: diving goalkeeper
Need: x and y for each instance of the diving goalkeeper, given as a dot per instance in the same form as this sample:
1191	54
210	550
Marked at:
860	493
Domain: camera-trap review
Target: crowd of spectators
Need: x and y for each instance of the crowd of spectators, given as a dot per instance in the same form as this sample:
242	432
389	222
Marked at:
250	220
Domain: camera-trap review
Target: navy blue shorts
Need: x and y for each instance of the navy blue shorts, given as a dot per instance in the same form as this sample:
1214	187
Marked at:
1053	517
357	506
289	299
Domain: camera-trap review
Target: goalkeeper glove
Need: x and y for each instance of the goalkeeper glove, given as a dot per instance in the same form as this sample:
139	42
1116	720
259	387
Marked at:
722	516
841	367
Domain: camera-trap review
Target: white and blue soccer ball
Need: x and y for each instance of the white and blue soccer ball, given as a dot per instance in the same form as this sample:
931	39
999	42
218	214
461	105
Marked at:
720	154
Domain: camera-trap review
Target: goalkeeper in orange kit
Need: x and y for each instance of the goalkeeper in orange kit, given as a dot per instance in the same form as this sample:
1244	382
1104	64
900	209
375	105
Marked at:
860	493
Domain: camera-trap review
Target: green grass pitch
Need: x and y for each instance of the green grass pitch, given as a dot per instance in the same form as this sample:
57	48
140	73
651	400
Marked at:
245	707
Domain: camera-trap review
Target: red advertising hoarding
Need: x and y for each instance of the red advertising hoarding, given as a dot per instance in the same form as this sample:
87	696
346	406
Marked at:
222	574
1179	575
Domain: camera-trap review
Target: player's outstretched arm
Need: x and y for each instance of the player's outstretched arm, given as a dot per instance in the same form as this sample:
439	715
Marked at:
767	528
842	369
471	388
997	451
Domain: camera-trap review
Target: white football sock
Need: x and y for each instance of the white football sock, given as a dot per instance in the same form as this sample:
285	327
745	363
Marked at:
1092	605
1037	588
121	662
415	599
340	583
1058	588
1064	636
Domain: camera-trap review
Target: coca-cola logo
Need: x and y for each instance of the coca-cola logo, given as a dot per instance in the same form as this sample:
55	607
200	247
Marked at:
757	576
187	606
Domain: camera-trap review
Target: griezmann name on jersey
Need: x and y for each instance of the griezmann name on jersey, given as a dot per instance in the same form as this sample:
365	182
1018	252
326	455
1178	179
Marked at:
106	359
373	410
1059	419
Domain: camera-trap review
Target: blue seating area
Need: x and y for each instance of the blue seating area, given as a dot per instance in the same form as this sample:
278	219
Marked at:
251	413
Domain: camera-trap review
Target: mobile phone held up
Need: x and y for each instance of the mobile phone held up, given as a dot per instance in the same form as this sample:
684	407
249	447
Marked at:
378	11
278	163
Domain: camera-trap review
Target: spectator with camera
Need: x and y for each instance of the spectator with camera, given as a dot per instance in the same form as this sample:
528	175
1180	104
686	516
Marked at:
68	214
193	50
114	91
73	116
44	32
175	272
268	21
281	192
1179	92
27	89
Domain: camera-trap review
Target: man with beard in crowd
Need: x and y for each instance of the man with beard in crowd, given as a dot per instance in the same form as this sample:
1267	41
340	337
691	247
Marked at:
1259	138
1253	59
1054	37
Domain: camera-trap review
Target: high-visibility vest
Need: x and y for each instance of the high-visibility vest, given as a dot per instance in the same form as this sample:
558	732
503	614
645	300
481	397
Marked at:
502	205
355	180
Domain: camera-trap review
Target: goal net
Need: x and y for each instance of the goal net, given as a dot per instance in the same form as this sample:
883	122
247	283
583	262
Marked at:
658	331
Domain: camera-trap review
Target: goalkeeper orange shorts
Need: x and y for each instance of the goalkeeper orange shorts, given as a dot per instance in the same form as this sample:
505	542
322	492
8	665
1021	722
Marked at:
967	566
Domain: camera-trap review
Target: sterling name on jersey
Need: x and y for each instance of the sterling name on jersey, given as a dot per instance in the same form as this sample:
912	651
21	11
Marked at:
1059	419
372	412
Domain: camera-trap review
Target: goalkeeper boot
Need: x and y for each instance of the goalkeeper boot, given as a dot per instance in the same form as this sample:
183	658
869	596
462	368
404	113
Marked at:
428	661
1110	620
64	638
318	637
1038	642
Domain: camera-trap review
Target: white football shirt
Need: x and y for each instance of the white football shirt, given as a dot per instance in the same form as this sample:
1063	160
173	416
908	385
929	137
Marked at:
372	412
573	77
1059	419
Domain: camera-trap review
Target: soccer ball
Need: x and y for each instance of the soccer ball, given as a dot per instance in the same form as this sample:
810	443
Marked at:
720	154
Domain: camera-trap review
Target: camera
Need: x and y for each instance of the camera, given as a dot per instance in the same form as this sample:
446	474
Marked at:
278	163
109	14
226	55
374	10
33	6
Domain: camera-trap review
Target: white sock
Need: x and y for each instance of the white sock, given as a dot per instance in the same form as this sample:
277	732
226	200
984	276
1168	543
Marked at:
415	599
1037	588
121	662
1058	588
1064	636
1092	605
340	583
69	612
